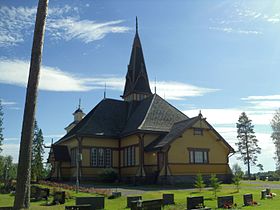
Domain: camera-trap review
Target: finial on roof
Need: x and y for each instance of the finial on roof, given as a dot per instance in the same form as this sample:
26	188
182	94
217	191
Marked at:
155	85
79	103
105	91
136	24
200	115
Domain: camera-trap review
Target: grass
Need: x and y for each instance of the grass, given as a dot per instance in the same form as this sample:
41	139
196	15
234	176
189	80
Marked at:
180	198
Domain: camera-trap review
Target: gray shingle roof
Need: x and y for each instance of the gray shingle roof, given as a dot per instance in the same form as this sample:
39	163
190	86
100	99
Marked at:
177	130
114	118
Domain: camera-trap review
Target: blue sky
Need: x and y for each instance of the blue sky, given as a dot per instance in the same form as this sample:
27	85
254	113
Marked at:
221	57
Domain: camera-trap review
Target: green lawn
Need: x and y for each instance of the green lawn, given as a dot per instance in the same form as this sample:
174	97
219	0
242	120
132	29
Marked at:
180	198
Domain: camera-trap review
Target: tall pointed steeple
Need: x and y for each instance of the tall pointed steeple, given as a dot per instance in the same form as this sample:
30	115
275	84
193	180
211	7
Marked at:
137	83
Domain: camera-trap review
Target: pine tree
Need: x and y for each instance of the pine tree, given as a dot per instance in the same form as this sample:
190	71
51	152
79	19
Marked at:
22	197
199	183
37	169
275	125
215	184
247	142
1	126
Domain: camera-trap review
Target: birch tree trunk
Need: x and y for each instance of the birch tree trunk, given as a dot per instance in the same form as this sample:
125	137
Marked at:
22	197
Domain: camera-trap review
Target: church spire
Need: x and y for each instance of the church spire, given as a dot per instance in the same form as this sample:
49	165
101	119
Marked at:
137	83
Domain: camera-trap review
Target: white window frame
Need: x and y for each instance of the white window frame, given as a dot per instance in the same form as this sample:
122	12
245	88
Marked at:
198	156
101	157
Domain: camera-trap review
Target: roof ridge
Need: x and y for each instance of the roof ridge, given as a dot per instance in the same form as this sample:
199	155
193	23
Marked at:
147	112
171	105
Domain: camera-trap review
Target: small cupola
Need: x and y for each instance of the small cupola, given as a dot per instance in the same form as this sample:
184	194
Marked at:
78	116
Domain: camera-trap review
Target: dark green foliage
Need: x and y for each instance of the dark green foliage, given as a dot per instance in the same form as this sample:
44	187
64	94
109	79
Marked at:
215	184
199	183
1	126
37	169
275	125
108	175
247	142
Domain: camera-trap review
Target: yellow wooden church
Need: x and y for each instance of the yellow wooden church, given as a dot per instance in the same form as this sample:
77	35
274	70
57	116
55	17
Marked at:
142	137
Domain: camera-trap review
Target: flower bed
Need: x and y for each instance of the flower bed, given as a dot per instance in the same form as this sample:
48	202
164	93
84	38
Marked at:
104	192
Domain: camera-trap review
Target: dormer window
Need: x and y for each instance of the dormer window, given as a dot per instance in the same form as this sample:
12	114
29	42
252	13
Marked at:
198	131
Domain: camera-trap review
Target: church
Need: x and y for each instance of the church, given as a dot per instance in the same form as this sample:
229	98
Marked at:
142	137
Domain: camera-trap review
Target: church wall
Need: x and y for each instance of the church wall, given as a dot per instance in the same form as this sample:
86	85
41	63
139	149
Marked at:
179	154
200	124
150	158
149	138
193	169
100	142
129	140
129	171
71	143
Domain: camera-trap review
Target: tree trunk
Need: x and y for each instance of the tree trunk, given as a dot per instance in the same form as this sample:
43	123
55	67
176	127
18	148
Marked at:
22	198
247	153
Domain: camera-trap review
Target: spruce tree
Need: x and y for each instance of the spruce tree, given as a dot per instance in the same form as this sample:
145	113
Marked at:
215	184
1	126
37	168
199	183
247	142
275	125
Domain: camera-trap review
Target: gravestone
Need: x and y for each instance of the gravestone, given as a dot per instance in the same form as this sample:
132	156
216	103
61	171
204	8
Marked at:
34	192
95	202
44	193
78	207
195	202
263	194
155	204
59	197
168	199
129	199
116	194
248	199
225	201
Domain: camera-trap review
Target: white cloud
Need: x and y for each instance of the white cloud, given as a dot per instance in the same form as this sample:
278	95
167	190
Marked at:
230	116
237	31
17	23
179	91
12	150
15	72
267	97
85	30
7	102
265	105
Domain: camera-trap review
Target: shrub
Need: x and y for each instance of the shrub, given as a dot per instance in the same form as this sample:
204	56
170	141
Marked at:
108	175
